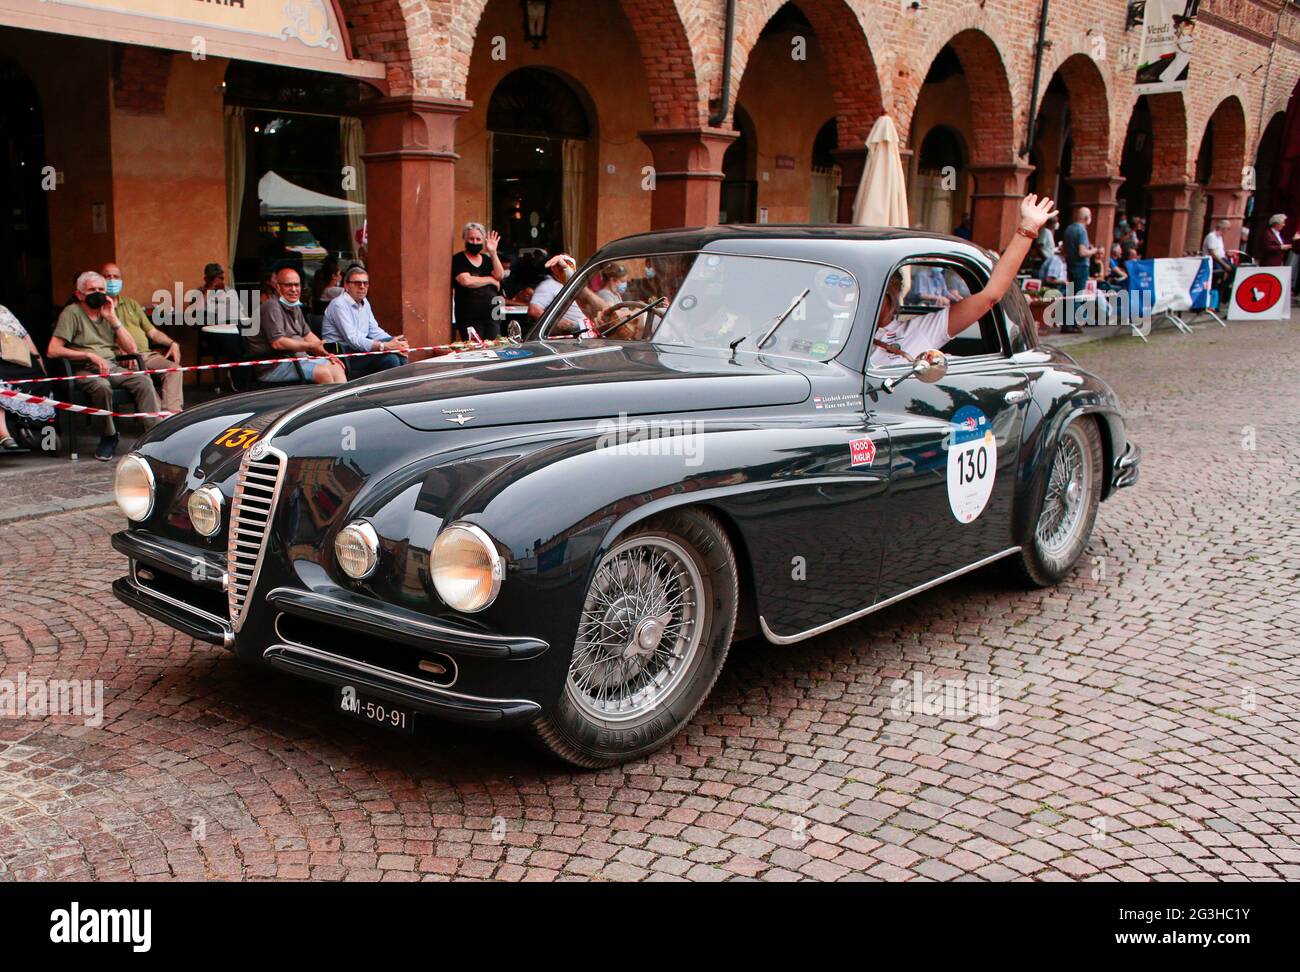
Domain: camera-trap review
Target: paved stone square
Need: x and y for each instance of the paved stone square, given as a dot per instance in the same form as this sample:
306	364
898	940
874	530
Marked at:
1137	722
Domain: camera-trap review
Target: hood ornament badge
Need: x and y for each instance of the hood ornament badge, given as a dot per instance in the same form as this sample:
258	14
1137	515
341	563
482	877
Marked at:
458	415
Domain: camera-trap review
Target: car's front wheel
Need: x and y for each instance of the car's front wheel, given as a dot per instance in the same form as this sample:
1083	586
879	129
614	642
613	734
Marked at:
1067	506
655	628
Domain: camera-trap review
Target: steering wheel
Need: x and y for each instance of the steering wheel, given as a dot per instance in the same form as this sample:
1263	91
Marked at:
609	322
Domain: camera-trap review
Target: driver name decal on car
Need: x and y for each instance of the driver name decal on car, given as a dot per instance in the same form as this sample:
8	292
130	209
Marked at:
972	463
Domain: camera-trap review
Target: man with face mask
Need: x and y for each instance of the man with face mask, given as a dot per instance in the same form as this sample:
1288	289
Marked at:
89	334
147	337
283	332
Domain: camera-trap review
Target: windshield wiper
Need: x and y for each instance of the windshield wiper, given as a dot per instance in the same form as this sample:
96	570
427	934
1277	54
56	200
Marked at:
779	321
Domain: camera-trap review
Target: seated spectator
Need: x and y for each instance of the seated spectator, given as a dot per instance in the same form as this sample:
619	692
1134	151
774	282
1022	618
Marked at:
147	337
12	368
1221	266
615	287
1046	242
1116	277
965	228
560	268
930	287
1052	273
89	334
326	284
283	331
351	323
217	303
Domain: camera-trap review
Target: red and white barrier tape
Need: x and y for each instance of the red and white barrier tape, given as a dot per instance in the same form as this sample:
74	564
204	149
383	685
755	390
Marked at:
235	364
89	410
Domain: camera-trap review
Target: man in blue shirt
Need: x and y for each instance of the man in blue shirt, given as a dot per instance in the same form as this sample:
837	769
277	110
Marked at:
1078	256
350	322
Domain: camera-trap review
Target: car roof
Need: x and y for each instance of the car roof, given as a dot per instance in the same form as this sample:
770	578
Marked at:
703	237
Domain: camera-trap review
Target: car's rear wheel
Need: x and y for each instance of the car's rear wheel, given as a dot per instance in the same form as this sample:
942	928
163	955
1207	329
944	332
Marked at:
655	628
1066	507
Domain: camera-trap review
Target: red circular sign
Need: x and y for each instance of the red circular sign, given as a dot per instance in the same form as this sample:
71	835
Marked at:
1258	293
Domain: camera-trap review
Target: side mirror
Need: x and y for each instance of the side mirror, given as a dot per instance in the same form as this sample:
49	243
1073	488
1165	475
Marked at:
929	366
514	332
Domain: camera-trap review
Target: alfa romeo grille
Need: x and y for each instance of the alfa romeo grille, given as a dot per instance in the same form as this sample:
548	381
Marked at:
256	492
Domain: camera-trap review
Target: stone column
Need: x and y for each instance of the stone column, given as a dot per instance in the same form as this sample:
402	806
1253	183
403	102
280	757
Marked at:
687	176
995	206
410	177
1098	193
1230	204
1167	231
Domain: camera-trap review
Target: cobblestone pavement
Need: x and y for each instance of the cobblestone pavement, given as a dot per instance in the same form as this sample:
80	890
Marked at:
1146	725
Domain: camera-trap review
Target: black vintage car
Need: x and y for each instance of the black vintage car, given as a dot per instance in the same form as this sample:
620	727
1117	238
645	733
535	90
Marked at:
567	534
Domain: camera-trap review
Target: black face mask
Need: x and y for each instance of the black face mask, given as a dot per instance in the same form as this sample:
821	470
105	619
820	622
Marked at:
96	300
474	248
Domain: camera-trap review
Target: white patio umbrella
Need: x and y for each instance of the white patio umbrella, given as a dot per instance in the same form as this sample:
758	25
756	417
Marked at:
277	196
882	194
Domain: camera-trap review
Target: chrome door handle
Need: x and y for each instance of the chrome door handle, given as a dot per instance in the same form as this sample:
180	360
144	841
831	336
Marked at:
1016	397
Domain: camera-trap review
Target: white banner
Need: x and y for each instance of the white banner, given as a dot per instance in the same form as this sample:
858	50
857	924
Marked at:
1166	52
1175	279
1260	294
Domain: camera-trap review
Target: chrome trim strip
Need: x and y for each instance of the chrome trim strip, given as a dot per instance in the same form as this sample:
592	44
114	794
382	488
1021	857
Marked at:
455	669
777	639
227	635
345	390
431	626
362	668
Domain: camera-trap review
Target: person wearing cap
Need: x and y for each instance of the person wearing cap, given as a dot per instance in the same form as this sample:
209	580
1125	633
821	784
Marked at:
585	305
147	337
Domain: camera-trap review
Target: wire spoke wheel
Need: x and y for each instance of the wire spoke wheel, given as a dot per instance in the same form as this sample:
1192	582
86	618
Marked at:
1069	489
640	629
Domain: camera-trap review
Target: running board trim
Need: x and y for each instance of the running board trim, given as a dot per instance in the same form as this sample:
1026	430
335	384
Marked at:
777	639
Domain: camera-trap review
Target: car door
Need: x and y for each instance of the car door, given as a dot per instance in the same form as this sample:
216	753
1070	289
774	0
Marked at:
955	446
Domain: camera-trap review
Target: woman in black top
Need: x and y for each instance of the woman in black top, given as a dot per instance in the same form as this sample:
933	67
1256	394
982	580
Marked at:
476	283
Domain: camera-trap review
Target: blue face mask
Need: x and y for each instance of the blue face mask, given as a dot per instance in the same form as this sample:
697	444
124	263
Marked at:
288	303
621	286
114	287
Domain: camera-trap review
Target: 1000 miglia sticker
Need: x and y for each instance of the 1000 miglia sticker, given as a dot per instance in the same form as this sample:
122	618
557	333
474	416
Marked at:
972	463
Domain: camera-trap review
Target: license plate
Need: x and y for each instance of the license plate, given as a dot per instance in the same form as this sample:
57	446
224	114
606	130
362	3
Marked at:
374	711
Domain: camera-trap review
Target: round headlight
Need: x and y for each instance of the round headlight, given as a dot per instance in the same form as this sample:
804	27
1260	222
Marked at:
205	510
133	487
467	569
357	549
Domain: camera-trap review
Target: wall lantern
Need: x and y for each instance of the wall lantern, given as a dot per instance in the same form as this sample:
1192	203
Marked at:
536	13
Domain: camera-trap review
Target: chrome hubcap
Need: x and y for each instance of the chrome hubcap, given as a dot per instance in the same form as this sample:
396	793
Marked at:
1068	486
640	629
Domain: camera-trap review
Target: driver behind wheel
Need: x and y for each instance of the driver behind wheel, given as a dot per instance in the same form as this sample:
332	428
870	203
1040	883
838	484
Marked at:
899	342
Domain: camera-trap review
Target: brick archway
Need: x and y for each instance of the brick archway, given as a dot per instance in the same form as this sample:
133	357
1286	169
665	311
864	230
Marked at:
1089	113
850	63
1229	146
1169	160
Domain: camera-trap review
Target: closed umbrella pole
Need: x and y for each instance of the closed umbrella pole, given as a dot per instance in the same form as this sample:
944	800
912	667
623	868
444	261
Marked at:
882	194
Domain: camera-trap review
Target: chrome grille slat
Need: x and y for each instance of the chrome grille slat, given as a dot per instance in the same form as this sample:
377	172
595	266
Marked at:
256	492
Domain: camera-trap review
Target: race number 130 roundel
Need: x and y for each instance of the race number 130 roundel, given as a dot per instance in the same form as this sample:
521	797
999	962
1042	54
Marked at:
972	462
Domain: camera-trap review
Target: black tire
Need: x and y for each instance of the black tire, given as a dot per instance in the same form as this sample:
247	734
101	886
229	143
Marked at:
1042	563
586	738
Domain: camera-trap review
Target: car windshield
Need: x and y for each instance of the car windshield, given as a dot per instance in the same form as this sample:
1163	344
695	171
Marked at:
713	300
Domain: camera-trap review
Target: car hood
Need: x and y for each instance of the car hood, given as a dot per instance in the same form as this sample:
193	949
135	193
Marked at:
545	382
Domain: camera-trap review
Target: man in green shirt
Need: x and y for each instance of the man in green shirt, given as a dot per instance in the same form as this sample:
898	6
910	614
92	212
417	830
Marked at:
147	337
89	334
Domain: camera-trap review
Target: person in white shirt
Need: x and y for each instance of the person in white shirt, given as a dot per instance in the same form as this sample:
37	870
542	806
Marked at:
1220	266
350	322
574	321
899	342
